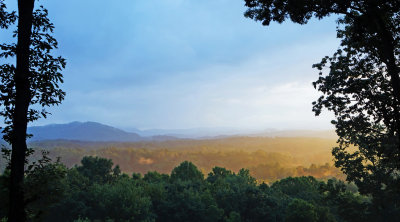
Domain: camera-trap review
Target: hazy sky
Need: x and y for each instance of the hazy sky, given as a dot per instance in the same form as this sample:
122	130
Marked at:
185	64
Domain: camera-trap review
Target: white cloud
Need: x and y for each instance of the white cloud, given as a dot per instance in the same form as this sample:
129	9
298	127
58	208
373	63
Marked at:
183	64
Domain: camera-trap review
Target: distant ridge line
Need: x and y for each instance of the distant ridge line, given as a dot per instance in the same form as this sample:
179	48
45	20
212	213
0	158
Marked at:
98	132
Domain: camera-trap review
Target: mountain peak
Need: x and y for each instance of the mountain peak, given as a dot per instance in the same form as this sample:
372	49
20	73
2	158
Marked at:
84	131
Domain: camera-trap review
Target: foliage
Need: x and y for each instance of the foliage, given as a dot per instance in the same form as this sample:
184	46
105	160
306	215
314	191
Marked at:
301	211
44	185
98	170
345	202
265	161
76	195
186	171
44	70
360	83
27	87
6	18
122	200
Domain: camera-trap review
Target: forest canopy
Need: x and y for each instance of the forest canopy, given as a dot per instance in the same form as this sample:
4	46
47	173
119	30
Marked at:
96	190
269	159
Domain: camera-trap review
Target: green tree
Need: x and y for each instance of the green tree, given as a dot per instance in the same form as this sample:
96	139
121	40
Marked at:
346	204
98	170
240	197
301	211
186	171
233	217
120	201
302	188
155	177
32	81
218	173
306	188
155	186
188	201
75	201
44	186
186	197
361	86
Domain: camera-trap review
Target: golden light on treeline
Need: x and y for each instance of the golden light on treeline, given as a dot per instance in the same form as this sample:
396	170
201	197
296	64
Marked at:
268	159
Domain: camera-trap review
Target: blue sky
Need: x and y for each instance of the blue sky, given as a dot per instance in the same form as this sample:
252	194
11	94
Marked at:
185	64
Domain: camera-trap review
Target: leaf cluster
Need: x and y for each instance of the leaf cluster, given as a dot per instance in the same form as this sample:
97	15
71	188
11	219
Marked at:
44	70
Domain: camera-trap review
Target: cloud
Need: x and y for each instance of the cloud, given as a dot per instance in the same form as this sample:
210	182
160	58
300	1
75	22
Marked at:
249	94
186	63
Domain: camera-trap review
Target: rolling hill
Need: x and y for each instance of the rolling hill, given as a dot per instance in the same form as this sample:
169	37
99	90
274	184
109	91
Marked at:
82	131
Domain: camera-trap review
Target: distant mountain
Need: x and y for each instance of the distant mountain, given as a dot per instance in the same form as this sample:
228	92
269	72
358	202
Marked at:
97	132
82	131
220	132
197	133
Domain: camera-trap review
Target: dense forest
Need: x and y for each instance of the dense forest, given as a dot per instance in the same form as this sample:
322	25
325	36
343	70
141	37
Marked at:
259	179
96	190
268	159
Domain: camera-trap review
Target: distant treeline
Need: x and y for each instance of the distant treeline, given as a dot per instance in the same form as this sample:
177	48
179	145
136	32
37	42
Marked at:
97	191
265	166
308	150
268	159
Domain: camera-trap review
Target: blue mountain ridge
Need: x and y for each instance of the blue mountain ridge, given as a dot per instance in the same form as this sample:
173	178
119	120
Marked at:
97	132
82	131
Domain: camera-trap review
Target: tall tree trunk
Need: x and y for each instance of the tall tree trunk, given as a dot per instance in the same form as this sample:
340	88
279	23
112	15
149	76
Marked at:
388	54
20	121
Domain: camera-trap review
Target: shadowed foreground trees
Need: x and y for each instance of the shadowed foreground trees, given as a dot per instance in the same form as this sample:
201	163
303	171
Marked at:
84	193
360	83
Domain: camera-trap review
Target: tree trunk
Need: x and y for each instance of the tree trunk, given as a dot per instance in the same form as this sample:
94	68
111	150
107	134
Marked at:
388	54
20	120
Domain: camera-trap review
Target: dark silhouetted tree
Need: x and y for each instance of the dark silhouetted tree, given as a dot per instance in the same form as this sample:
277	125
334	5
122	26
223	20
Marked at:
27	87
361	86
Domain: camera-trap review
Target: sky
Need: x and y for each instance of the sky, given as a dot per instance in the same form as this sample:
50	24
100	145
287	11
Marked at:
177	64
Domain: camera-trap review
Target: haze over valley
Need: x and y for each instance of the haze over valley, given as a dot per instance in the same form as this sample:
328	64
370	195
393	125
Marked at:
93	131
270	155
